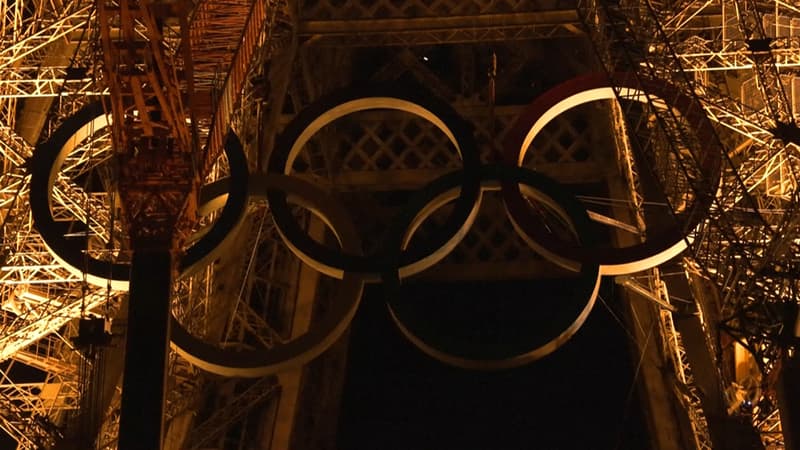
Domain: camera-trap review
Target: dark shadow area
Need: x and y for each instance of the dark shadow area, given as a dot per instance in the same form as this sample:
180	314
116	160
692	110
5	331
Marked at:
397	398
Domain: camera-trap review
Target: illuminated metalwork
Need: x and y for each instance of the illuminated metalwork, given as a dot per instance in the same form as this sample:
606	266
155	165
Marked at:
39	296
234	410
706	40
675	350
748	246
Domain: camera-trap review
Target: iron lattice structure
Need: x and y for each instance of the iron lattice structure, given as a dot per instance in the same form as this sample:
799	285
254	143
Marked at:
738	59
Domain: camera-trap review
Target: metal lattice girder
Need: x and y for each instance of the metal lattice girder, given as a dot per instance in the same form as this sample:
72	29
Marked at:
13	148
686	390
141	75
81	206
354	10
33	411
266	24
547	24
764	166
31	263
30	432
28	29
746	245
698	55
392	150
386	150
45	82
260	283
48	355
249	321
186	383
42	318
758	47
109	431
69	201
771	431
631	51
213	427
41	398
708	35
257	314
215	27
39	295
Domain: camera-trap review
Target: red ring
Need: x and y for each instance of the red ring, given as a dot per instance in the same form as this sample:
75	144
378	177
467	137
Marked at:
657	249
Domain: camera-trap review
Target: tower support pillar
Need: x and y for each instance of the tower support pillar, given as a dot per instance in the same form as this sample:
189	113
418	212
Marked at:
146	351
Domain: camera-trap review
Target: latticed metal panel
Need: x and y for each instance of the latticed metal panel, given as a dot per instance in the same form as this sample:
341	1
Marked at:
388	141
742	73
385	9
374	158
491	239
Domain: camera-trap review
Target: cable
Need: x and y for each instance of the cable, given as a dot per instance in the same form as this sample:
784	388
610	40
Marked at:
247	274
616	318
612	201
629	397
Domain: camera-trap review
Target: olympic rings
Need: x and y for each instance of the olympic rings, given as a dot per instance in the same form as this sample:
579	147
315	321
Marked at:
309	121
45	165
398	259
657	249
586	287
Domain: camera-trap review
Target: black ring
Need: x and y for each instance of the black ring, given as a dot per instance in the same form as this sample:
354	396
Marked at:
377	264
587	283
303	348
44	167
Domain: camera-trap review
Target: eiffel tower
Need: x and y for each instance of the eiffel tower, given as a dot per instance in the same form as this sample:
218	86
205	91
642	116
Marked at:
152	298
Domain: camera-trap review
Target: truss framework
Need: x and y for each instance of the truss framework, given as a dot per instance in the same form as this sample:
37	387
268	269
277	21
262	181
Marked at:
39	296
747	244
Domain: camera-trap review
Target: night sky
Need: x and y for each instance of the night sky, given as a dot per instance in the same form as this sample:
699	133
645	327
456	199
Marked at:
397	398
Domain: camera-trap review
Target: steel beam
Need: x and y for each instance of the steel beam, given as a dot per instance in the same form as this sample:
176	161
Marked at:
146	351
437	30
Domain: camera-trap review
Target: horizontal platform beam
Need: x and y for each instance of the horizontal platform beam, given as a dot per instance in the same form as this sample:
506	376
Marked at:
436	30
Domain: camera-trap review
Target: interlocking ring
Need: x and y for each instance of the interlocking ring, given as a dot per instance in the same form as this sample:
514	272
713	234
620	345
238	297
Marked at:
234	192
657	249
575	308
584	256
45	165
398	258
315	117
258	363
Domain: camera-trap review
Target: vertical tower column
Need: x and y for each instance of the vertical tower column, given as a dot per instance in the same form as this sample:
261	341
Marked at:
158	188
146	351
